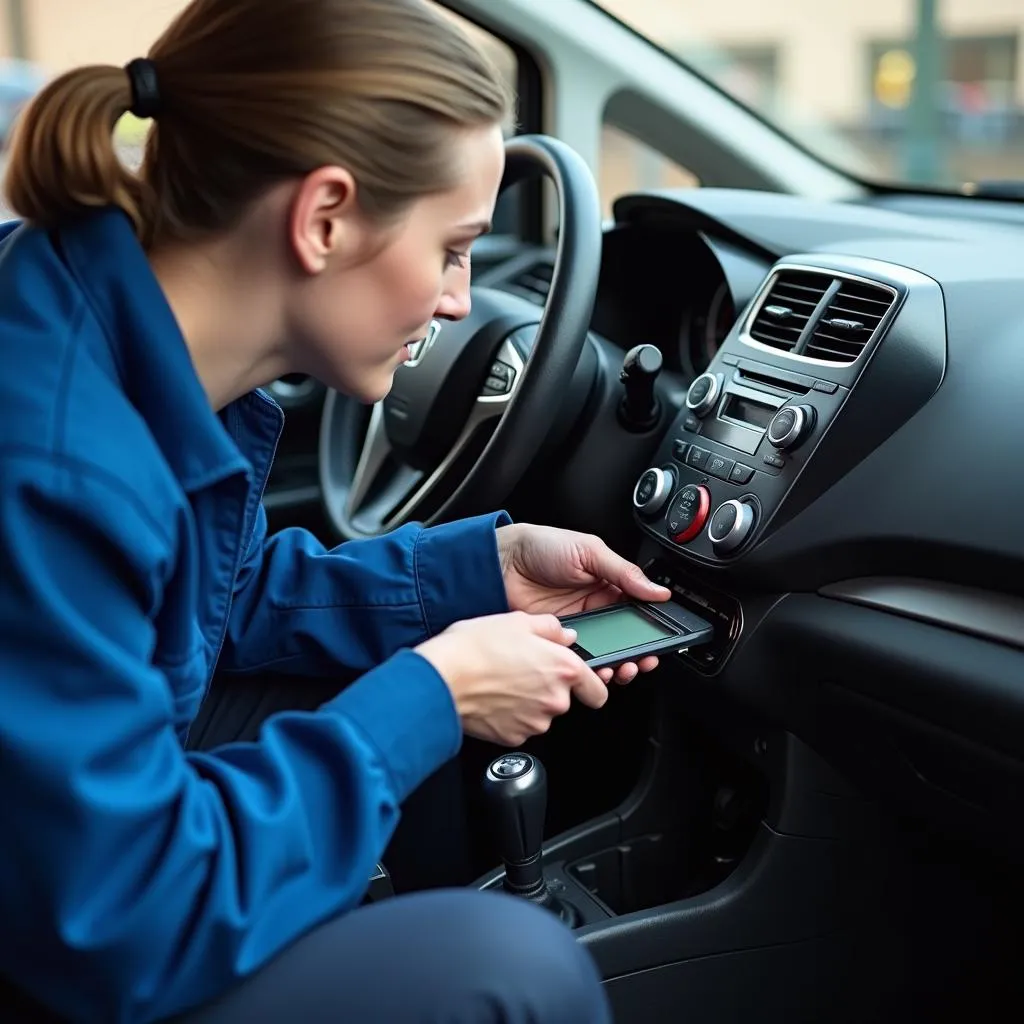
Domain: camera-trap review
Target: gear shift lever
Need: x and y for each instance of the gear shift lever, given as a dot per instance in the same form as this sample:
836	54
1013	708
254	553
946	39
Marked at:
516	791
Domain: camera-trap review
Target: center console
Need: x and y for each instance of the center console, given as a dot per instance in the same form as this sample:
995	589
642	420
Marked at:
741	875
756	418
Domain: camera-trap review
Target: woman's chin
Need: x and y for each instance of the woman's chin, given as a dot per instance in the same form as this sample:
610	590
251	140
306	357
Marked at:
371	391
367	387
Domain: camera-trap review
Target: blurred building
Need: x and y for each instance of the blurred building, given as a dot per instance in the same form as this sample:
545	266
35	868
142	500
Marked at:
848	66
821	68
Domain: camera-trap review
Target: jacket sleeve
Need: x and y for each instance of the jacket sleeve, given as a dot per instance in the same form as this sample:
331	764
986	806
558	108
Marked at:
137	880
302	608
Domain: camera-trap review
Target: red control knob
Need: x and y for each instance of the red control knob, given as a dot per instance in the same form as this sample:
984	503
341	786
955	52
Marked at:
689	513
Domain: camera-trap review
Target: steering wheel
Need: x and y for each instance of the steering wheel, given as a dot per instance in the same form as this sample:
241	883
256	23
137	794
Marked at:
432	451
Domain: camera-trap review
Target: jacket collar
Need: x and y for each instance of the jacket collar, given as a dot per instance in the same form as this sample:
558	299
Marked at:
104	255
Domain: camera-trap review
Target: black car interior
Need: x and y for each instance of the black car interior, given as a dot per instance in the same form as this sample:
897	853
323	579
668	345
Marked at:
804	418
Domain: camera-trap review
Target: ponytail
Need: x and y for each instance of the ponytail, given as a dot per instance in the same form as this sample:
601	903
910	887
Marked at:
62	161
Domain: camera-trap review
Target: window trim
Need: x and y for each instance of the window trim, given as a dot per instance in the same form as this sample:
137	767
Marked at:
527	219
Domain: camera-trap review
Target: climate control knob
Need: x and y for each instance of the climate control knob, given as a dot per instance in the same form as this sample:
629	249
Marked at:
652	491
689	513
730	526
703	394
790	425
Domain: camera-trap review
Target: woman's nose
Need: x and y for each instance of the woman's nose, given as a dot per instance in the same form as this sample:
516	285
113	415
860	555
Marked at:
455	304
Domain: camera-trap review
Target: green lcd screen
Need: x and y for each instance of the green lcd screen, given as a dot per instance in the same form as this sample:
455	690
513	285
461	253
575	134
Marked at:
617	629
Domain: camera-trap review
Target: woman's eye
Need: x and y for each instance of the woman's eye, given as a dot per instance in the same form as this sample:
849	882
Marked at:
455	259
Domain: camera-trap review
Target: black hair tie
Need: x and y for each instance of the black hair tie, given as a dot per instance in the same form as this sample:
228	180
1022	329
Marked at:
146	100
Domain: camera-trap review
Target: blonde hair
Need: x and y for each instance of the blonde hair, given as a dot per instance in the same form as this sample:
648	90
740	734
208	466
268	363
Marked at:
252	93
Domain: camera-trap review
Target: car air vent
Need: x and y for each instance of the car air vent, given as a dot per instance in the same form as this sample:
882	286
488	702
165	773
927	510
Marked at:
534	283
849	322
788	306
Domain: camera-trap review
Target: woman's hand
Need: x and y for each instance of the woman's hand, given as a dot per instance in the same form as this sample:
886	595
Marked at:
562	573
510	675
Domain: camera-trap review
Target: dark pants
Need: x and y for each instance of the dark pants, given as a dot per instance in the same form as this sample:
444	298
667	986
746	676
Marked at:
453	955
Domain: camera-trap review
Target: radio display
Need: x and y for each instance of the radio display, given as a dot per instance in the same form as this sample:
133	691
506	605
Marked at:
743	410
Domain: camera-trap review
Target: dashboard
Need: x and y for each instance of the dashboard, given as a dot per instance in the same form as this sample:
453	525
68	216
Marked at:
837	481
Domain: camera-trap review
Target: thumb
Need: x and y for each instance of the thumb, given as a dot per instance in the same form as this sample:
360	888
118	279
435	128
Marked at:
550	628
605	564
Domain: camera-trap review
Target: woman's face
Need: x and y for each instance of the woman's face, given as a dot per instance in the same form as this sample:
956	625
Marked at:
354	317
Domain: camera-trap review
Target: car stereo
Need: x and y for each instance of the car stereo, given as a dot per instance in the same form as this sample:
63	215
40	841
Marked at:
746	431
754	419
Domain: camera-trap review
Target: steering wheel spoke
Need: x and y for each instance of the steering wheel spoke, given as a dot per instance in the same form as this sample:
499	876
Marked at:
384	493
372	461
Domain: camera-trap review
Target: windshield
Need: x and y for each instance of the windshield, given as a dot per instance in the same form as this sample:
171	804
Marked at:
911	91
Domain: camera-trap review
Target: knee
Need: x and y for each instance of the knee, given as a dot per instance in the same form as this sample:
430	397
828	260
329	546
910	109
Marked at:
523	957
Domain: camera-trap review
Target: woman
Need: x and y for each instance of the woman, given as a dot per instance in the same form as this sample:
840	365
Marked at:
315	178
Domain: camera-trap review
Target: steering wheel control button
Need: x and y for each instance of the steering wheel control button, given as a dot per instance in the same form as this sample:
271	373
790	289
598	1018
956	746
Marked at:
790	425
500	379
652	491
774	461
730	526
689	513
720	466
741	474
696	457
679	450
703	394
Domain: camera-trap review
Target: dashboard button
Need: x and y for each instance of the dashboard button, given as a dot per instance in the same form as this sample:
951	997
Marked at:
826	387
730	526
652	491
701	389
774	460
720	466
692	424
724	520
731	360
790	425
784	422
689	513
679	450
703	393
741	474
697	457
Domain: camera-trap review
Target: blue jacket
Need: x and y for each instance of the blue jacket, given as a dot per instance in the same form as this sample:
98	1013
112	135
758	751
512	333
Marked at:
137	879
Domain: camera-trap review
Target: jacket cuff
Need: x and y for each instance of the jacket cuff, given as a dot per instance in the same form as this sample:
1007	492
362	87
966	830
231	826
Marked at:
404	707
458	571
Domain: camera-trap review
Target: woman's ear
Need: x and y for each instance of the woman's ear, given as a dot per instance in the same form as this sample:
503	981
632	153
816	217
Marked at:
324	223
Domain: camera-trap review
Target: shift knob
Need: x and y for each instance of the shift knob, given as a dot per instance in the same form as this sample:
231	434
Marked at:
516	791
639	409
